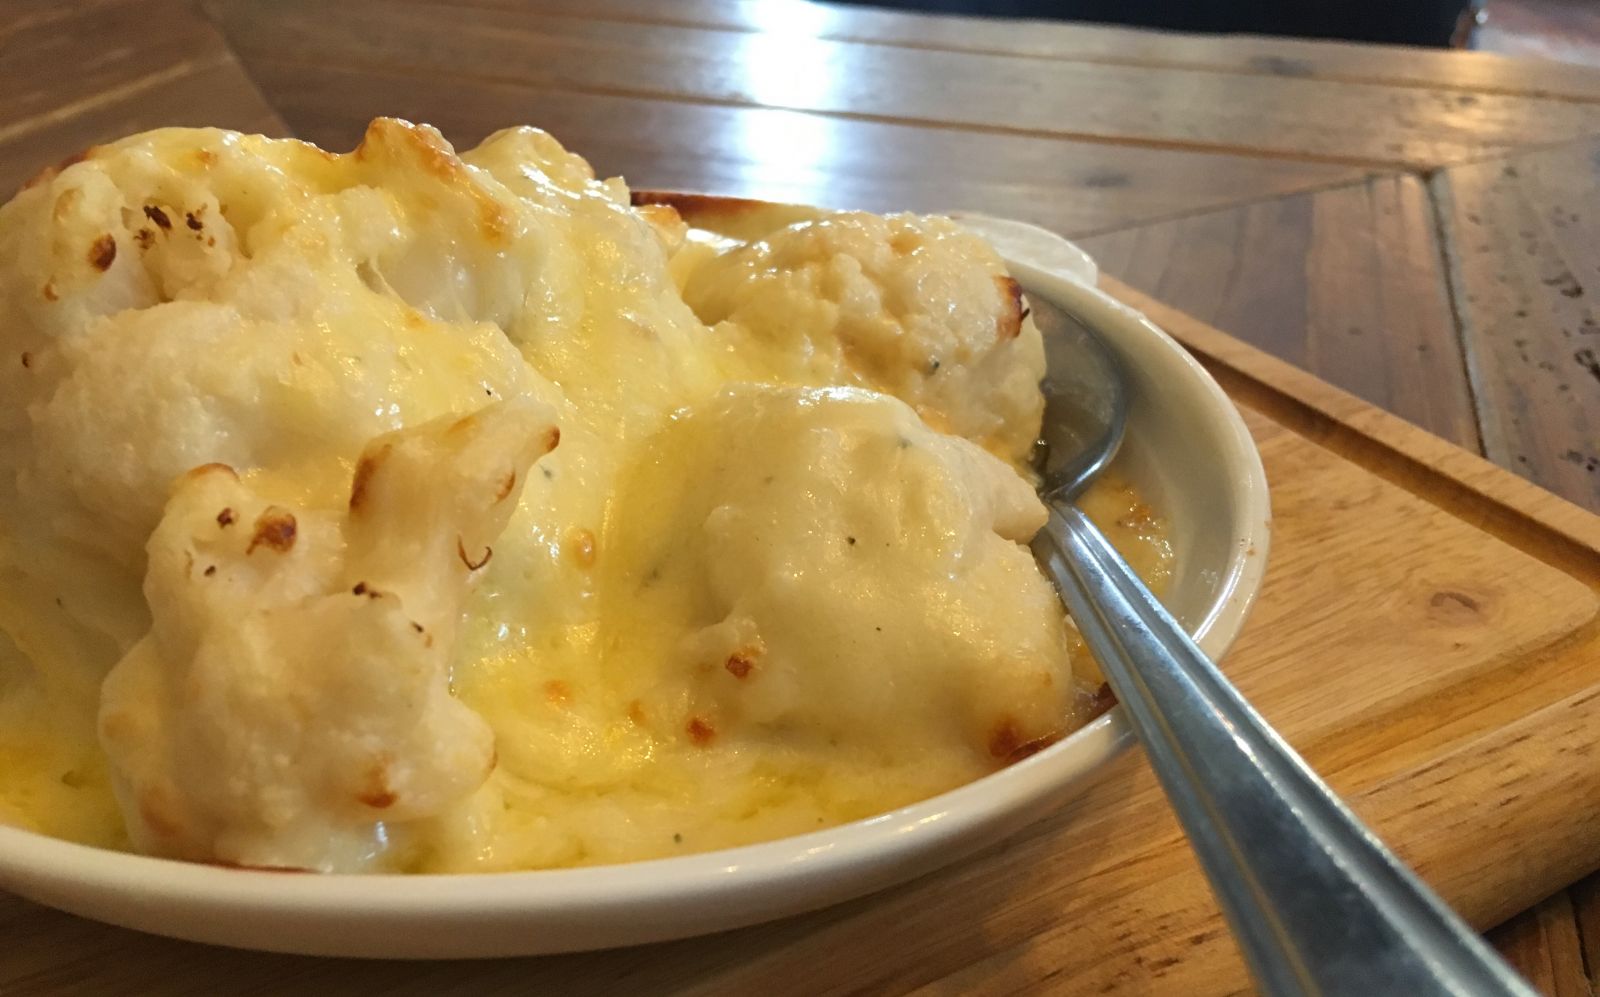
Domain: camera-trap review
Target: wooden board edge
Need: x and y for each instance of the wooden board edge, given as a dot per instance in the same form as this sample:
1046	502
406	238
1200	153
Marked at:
1544	524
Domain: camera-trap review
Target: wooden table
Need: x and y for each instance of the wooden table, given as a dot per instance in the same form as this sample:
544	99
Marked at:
1418	227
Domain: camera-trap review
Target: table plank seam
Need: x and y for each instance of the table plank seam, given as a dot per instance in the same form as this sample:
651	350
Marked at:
1503	152
1376	164
1234	205
1521	253
1451	274
1438	189
1267	68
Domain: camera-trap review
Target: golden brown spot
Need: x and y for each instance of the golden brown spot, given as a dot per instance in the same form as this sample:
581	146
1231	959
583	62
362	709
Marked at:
461	552
192	219
205	157
211	240
660	215
158	216
78	157
202	470
159	813
669	226
1032	747
366	467
211	569
636	714
27	359
494	220
1103	700
103	252
581	544
145	238
1010	322
275	528
462	426
317	150
427	149
700	731
552	438
506	484
415	319
430	153
557	692
1004	738
294	358
362	588
49	290
739	663
49	172
377	793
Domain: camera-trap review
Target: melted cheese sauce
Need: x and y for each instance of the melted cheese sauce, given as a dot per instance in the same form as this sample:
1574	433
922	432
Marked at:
627	787
750	594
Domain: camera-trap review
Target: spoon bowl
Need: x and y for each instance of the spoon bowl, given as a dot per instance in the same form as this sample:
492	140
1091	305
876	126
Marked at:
1088	404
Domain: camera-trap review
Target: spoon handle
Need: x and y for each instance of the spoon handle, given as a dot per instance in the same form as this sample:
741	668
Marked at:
1317	903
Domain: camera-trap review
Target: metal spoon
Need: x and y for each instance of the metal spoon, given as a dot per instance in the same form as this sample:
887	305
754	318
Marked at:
1317	903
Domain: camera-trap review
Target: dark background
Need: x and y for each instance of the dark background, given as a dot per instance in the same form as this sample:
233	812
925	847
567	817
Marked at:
1413	22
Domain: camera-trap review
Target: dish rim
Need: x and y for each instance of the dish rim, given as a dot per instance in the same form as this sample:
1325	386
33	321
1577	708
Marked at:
54	870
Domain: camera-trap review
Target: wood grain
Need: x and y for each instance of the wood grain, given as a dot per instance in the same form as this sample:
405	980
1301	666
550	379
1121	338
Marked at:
214	94
95	54
1586	904
1346	283
1543	943
1073	187
1524	246
1396	65
1111	128
1496	500
86	72
26	15
1306	118
1473	766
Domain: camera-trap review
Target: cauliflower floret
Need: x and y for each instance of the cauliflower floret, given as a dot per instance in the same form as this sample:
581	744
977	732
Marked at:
293	695
193	296
916	307
188	296
258	320
817	567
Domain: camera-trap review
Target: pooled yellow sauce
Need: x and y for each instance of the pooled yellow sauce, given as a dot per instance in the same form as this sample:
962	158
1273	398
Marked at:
771	579
626	792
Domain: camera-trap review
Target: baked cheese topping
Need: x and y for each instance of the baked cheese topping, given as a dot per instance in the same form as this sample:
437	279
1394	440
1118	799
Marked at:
403	510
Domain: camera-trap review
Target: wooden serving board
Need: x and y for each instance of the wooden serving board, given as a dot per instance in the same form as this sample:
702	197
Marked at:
1428	636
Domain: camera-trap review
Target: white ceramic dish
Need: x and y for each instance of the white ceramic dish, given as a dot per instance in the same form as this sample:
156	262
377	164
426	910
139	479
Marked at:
1187	450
